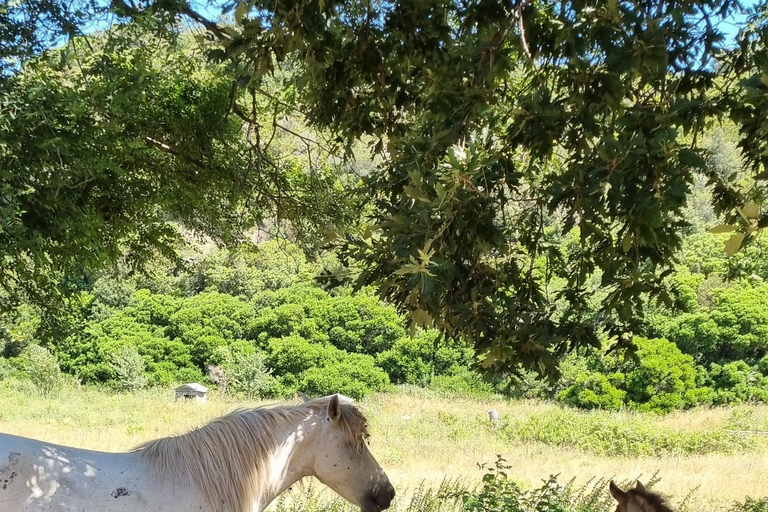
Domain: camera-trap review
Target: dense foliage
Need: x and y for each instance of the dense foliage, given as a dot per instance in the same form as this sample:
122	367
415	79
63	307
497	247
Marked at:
109	148
259	329
255	323
498	128
496	119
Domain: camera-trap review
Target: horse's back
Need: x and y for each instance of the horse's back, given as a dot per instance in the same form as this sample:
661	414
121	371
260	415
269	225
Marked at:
43	477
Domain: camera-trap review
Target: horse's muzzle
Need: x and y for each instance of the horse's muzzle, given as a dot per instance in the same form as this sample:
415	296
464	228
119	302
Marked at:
380	499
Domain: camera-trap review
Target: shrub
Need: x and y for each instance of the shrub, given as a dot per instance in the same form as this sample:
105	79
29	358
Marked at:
735	327
737	382
247	375
356	323
465	383
354	376
249	271
618	434
18	330
415	360
314	368
593	391
152	308
129	368
6	368
662	378
751	505
42	368
293	355
113	291
223	314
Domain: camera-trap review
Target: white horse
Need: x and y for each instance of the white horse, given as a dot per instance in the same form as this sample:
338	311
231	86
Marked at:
237	463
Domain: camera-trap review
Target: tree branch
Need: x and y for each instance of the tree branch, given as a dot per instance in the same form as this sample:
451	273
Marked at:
208	24
172	151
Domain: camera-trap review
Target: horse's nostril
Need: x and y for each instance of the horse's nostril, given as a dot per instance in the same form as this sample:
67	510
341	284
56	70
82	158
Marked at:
385	496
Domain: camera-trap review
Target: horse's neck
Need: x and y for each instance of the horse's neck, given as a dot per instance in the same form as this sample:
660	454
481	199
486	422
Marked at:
288	464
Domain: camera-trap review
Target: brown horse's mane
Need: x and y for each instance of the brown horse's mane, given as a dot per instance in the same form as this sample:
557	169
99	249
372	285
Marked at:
648	501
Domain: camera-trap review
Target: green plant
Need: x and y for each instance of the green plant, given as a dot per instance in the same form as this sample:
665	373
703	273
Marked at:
662	378
593	391
737	382
248	375
354	376
416	359
42	368
751	505
129	367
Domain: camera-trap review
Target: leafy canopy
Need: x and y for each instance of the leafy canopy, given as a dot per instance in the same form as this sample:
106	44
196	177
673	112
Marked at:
496	119
500	125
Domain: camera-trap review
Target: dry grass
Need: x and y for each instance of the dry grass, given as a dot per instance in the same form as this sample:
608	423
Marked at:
418	436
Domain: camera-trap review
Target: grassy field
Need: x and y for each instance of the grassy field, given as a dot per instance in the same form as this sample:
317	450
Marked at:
422	438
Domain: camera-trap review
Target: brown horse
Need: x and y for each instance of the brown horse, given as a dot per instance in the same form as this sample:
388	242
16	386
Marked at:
638	500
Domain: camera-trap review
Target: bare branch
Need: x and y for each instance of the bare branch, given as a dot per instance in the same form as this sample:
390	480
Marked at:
208	24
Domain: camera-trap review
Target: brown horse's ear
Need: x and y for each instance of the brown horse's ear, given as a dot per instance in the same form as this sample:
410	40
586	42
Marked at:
334	408
618	494
639	486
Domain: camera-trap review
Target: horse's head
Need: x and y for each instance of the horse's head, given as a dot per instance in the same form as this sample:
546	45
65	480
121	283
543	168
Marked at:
638	499
343	461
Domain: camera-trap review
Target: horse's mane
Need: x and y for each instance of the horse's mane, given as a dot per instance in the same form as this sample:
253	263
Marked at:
648	501
227	459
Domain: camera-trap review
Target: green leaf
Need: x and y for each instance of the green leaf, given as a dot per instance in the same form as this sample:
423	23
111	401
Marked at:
691	158
751	210
241	11
421	318
723	228
626	243
411	192
733	244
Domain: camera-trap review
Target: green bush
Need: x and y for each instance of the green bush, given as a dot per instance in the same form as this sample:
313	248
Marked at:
751	505
247	375
6	368
355	323
207	321
18	330
662	379
129	367
499	493
314	368
42	368
618	434
293	355
593	391
737	382
735	326
415	360
152	308
354	376
113	291
659	378
88	353
249	271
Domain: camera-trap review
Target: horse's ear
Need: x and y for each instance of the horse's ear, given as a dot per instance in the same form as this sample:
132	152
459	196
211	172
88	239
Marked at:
639	487
334	408
617	493
304	398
